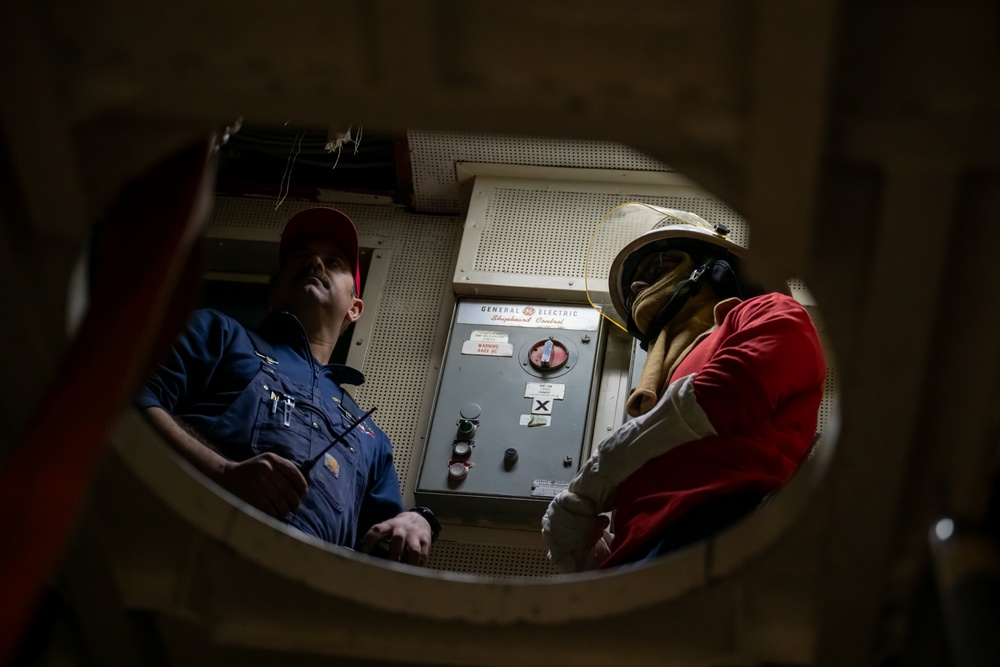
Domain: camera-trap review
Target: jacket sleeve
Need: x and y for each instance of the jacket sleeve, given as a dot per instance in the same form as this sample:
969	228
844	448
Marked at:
190	364
382	499
570	524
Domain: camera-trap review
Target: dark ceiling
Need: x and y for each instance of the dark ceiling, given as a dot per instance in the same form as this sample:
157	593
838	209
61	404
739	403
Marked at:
298	161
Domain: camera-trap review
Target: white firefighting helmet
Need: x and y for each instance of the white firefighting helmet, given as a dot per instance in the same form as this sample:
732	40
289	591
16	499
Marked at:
654	229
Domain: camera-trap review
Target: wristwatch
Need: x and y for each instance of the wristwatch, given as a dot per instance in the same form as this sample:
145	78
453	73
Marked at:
431	519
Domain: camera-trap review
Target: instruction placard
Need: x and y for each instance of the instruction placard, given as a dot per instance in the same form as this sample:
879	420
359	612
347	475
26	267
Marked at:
489	336
545	390
547	488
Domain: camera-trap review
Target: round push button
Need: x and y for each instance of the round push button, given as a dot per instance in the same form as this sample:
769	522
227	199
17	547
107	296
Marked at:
466	429
470	411
457	472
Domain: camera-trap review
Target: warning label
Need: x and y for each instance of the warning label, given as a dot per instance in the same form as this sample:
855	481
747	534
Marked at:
487	348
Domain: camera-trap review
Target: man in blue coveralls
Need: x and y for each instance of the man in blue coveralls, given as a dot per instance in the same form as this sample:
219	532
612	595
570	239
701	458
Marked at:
251	408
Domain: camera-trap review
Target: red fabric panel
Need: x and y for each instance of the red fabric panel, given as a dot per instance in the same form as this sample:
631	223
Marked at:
151	231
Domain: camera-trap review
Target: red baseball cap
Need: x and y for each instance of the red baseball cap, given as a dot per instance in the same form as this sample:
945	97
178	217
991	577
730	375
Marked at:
322	222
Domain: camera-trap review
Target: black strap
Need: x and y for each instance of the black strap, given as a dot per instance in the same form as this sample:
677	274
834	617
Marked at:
717	271
684	291
428	515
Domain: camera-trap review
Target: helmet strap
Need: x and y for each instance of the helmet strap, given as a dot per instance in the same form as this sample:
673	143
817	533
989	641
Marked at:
685	290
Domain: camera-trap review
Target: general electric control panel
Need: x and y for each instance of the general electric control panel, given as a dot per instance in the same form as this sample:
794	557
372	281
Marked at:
512	417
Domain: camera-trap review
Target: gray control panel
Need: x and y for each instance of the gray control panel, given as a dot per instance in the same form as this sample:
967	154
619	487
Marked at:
512	416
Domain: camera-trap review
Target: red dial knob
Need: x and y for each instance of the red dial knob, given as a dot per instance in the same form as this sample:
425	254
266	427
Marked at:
548	355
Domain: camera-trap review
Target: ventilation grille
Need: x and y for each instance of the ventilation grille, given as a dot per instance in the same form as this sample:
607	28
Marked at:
546	233
490	560
433	157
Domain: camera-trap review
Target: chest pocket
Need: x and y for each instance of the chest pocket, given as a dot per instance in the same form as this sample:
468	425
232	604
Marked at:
290	425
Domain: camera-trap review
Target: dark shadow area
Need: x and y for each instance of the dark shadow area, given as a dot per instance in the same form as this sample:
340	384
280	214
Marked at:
297	162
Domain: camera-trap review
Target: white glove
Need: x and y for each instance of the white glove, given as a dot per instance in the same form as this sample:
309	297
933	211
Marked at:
571	524
570	528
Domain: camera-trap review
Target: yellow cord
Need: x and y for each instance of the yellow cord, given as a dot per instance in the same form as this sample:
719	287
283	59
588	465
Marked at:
586	265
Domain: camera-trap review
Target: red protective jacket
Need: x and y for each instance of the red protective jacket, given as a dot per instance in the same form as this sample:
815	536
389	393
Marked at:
759	378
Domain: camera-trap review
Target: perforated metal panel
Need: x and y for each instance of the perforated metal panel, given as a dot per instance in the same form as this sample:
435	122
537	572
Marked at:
400	361
492	560
433	156
827	418
534	234
546	233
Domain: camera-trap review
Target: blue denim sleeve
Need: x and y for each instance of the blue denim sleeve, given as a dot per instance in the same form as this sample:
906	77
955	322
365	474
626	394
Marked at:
188	368
382	499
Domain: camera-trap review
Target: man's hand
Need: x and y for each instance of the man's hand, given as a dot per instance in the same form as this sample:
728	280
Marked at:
407	535
269	482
